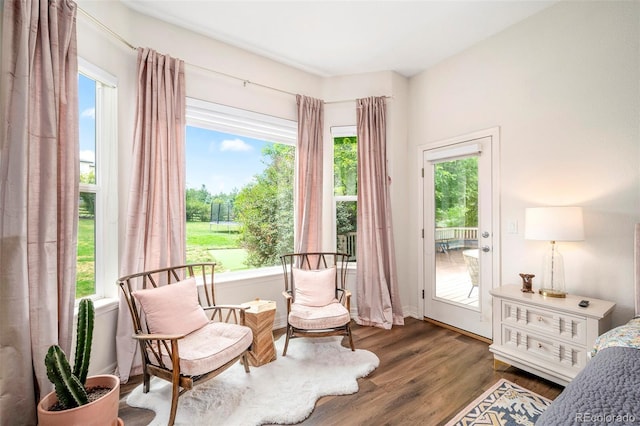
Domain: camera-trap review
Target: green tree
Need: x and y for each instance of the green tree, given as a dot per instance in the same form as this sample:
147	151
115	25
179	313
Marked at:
456	193
345	163
197	204
264	208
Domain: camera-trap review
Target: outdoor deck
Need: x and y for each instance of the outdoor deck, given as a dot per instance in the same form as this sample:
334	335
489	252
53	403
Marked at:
454	281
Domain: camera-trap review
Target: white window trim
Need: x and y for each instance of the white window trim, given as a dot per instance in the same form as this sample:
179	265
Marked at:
241	122
106	186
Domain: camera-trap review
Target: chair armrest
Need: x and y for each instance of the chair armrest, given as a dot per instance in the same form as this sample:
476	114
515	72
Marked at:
346	298
158	336
244	308
289	298
233	311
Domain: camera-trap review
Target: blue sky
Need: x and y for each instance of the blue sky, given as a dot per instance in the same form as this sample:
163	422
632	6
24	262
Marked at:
220	161
87	107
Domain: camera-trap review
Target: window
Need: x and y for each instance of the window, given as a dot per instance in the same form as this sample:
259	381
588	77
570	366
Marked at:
345	188
97	241
239	186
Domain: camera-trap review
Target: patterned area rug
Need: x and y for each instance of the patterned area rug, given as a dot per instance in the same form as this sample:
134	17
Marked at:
505	403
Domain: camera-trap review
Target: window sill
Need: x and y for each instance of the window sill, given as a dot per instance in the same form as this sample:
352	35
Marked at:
102	305
232	277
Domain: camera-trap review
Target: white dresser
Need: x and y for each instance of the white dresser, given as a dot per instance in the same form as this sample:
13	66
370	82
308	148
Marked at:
546	336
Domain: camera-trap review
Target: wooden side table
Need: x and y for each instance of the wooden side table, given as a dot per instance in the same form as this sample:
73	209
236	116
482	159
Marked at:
259	318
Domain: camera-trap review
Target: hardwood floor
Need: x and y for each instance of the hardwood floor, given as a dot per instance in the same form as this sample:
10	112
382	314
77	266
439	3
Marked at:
427	374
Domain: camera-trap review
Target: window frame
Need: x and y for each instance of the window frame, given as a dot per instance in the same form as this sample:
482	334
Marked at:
106	184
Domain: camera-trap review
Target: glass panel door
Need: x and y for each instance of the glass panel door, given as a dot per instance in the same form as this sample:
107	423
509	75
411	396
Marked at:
458	241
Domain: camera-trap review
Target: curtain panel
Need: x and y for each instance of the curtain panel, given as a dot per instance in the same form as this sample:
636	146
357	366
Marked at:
309	175
378	298
39	171
155	228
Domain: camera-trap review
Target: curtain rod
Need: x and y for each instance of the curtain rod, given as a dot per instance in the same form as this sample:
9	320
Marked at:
243	80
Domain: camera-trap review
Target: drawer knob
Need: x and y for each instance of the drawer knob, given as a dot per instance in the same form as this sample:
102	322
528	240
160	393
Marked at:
539	345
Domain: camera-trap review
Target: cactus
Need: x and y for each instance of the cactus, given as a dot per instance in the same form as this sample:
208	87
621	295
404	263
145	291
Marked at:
85	336
69	390
70	385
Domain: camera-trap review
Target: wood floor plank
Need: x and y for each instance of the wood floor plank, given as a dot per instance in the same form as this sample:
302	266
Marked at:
427	374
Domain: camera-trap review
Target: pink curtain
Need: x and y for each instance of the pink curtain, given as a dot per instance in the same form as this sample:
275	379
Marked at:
376	278
39	171
309	175
155	229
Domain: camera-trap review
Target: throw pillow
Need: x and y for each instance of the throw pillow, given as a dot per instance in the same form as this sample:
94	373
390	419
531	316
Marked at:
173	308
315	287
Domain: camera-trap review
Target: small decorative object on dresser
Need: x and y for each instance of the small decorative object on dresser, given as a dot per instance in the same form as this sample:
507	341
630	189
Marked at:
527	283
549	337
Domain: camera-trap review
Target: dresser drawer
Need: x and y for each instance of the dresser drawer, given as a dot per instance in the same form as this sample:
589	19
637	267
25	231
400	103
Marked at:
544	348
539	320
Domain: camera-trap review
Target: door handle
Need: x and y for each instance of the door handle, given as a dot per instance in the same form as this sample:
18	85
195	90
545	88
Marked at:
486	248
485	234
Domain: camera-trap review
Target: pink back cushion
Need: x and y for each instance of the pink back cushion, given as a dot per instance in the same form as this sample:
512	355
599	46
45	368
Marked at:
315	287
173	308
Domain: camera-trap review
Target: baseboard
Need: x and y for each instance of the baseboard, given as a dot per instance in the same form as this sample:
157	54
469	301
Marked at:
458	330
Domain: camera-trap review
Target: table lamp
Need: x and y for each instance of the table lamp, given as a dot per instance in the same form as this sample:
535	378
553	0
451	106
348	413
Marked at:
553	224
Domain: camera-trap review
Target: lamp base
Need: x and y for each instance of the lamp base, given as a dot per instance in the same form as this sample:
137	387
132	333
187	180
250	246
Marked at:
550	292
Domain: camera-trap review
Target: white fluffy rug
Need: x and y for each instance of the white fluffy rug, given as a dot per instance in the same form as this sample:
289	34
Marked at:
282	392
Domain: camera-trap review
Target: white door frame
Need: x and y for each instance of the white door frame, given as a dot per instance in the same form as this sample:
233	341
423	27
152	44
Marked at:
494	134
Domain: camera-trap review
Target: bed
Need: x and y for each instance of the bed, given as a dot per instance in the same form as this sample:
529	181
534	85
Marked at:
607	390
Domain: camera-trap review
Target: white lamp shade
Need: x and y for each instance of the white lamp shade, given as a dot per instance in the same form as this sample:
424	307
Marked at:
554	224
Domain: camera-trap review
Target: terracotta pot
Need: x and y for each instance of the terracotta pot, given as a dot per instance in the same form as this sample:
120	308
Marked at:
102	412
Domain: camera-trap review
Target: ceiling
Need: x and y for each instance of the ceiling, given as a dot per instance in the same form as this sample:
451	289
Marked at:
331	38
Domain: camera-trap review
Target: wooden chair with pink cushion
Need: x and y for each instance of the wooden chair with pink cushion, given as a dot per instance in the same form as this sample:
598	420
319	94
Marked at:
184	337
318	301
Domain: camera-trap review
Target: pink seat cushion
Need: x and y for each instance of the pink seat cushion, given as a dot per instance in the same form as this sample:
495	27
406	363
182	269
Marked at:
211	347
318	317
316	287
173	308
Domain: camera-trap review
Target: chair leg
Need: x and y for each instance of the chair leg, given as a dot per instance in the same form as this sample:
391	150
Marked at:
353	348
175	393
145	380
286	342
245	361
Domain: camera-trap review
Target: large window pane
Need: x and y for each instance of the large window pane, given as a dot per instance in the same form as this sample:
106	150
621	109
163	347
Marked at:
345	190
346	227
345	163
239	199
87	128
86	250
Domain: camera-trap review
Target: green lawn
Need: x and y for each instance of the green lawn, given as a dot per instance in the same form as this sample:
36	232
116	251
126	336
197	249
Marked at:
215	243
85	274
205	243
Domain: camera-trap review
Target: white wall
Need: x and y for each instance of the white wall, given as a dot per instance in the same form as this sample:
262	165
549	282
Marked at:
564	88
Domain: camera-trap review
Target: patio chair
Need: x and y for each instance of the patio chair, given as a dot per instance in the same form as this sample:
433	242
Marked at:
184	337
471	260
318	302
